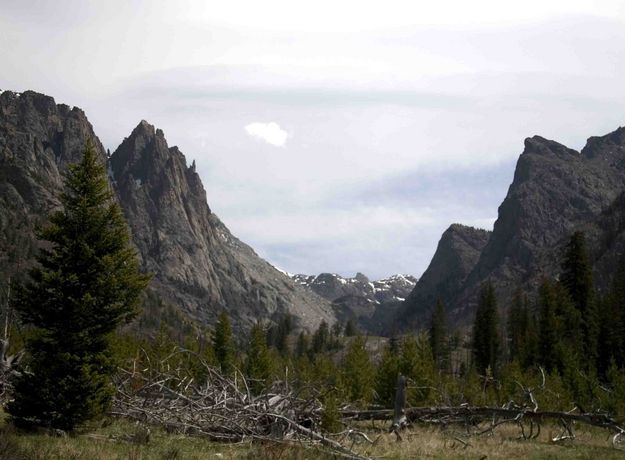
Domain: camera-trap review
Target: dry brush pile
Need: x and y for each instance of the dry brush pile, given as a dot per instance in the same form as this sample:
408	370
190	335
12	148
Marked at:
221	409
225	410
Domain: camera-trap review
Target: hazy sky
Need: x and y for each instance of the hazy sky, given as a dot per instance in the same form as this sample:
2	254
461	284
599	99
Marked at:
336	136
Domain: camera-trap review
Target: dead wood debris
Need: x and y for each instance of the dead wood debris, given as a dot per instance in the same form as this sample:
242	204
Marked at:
224	410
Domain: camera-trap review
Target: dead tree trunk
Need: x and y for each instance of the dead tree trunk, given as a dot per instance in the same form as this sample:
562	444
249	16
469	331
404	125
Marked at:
399	417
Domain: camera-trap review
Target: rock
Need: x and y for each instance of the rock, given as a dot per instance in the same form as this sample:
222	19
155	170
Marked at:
38	140
371	304
198	264
456	255
200	267
555	191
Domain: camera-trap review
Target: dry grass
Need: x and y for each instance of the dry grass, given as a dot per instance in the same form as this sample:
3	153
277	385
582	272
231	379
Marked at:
124	440
435	443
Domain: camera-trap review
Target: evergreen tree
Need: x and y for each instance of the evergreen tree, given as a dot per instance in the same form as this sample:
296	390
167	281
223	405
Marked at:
548	327
86	284
576	278
518	324
358	371
223	345
611	349
416	363
386	376
485	330
350	328
439	342
303	344
320	338
259	364
278	334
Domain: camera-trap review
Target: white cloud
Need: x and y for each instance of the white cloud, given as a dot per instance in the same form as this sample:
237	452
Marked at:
268	132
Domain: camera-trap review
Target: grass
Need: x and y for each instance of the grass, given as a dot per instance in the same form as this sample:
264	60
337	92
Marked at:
123	440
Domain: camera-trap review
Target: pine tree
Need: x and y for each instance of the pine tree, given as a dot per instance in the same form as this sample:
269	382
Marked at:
416	363
223	344
358	371
486	330
611	344
86	284
576	278
303	344
548	327
320	338
350	328
259	364
386	376
518	324
438	336
278	334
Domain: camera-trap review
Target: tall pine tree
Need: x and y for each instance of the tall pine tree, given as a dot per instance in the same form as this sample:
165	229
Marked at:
576	278
259	364
86	284
223	344
439	342
548	338
518	326
486	330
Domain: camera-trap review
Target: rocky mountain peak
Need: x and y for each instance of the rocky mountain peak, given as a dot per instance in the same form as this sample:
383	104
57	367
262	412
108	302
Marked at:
555	191
371	304
38	140
198	265
538	145
610	147
457	254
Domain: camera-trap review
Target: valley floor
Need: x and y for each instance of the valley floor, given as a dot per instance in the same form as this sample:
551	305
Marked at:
121	440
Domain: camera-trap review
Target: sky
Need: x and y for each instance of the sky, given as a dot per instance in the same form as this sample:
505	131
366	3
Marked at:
333	136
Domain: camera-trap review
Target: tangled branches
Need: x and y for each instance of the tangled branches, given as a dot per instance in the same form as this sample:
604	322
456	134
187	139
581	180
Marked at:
219	408
223	409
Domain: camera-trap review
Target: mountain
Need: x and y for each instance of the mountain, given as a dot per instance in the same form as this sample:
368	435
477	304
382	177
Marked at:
199	267
456	255
555	191
370	304
198	264
38	139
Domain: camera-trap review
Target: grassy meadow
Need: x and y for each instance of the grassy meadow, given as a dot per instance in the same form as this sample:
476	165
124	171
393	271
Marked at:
124	440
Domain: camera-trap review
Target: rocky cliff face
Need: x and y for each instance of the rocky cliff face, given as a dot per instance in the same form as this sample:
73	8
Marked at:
456	255
555	191
38	139
199	266
371	304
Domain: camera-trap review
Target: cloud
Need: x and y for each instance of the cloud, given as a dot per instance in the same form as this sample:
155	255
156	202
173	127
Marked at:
268	132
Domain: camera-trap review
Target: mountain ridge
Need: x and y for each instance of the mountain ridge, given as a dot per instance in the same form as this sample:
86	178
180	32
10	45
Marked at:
199	266
555	191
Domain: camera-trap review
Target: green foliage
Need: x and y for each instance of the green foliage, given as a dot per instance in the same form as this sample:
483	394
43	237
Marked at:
548	326
439	341
417	364
386	376
350	328
321	338
330	414
576	278
485	331
223	345
303	344
357	372
278	334
259	364
85	285
611	343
